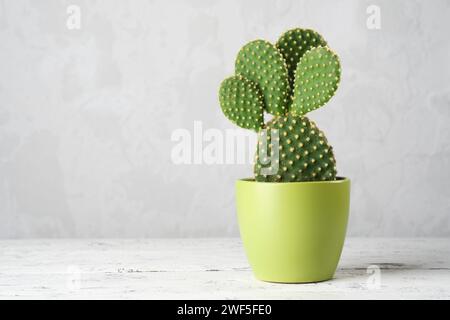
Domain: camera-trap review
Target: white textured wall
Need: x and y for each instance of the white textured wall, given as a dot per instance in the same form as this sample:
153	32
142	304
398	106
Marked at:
86	115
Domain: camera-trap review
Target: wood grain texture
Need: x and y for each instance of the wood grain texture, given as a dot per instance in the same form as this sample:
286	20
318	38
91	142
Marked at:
212	269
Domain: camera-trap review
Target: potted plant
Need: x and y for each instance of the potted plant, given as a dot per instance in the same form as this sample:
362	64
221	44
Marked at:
293	214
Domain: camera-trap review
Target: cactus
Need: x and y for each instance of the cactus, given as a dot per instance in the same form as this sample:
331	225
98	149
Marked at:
297	75
242	102
261	62
304	153
294	43
317	78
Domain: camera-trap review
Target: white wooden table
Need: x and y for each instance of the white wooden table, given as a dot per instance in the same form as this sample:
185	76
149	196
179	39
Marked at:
213	269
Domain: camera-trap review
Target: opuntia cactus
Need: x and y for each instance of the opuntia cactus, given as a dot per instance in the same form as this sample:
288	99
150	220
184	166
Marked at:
297	75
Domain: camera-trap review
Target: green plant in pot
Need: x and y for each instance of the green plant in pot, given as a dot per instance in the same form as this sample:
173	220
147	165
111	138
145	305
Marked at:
293	214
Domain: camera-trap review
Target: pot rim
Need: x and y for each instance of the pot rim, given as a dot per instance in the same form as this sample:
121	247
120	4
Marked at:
338	180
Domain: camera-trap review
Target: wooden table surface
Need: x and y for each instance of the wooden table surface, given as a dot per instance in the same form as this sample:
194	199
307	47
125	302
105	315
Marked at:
370	268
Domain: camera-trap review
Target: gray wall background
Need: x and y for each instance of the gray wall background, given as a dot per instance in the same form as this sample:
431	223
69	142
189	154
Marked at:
86	115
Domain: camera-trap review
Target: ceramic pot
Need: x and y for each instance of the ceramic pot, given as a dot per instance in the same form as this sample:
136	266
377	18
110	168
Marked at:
293	232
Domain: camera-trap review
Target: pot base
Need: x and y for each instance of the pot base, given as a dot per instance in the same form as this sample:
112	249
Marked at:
294	281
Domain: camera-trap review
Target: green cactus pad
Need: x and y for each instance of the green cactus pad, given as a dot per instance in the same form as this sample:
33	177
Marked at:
261	62
316	80
242	102
303	152
294	43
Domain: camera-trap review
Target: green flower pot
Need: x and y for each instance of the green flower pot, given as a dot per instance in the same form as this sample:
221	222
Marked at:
293	232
